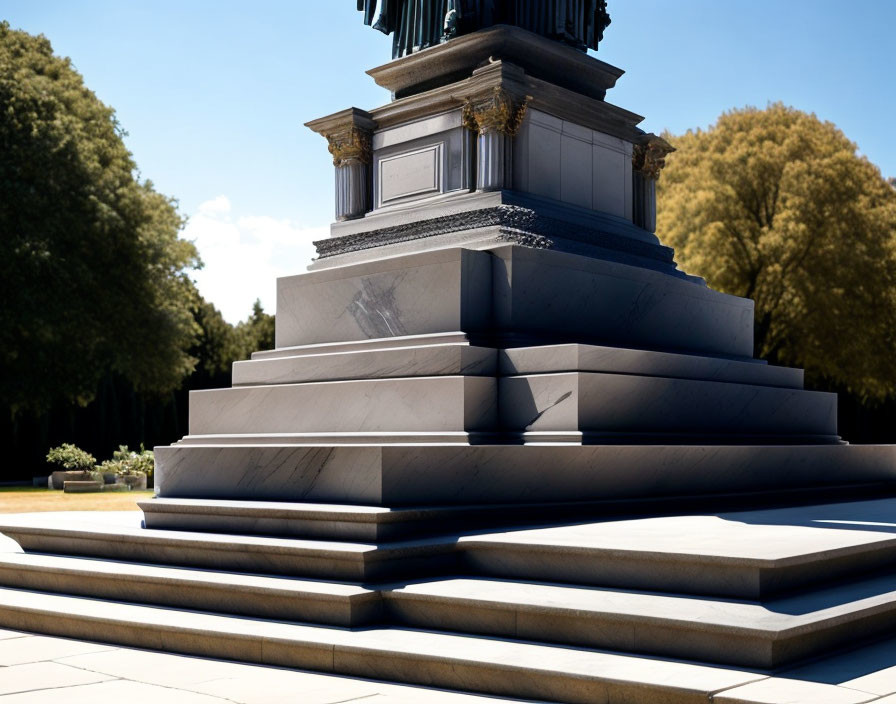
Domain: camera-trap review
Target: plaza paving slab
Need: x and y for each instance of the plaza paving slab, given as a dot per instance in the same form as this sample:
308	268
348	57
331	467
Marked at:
48	670
37	669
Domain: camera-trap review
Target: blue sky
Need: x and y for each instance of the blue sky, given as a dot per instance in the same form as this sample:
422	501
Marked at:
214	95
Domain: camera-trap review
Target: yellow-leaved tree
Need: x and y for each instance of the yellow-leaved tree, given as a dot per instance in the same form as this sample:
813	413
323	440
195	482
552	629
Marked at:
777	206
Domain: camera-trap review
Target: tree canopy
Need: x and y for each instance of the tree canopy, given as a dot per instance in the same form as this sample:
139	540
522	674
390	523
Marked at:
219	343
92	270
777	206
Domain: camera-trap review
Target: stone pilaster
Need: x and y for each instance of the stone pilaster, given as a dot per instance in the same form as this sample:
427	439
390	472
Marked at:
495	118
348	135
648	159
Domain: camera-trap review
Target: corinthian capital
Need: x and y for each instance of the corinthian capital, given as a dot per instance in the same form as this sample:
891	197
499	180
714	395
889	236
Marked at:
496	112
348	134
649	157
349	145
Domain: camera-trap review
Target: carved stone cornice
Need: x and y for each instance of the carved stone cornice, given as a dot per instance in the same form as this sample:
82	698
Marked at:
553	99
348	134
541	58
649	155
496	112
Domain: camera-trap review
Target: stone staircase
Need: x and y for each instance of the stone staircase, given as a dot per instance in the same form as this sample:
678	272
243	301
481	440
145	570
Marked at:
664	608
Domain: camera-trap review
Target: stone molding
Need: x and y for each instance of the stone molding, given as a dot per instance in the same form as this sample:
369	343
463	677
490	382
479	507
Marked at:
542	58
520	225
545	96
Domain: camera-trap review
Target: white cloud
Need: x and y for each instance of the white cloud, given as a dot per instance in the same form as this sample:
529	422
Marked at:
244	255
216	206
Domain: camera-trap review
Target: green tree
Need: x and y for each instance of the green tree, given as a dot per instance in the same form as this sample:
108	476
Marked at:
776	205
255	333
92	270
216	345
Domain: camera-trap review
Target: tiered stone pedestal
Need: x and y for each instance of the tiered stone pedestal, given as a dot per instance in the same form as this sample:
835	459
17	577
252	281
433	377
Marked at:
444	412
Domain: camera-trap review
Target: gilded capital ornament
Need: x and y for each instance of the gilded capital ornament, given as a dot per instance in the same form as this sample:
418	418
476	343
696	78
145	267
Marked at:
498	112
349	145
649	157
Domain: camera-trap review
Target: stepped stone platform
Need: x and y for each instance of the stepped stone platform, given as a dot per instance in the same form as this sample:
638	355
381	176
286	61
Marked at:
688	607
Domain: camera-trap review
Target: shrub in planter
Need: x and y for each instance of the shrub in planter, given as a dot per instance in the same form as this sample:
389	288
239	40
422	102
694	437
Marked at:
109	470
74	464
71	458
131	468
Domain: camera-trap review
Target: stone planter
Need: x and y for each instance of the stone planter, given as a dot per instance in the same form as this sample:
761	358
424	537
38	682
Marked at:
116	487
109	477
82	487
59	478
137	482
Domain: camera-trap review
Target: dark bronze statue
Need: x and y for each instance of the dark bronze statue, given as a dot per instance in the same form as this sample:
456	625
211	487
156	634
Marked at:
418	24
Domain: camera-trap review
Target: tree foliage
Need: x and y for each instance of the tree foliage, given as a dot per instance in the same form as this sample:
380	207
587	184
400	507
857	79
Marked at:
219	344
776	205
92	271
255	333
71	457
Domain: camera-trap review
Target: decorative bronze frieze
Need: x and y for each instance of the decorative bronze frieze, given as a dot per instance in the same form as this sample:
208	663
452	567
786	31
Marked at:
498	112
649	157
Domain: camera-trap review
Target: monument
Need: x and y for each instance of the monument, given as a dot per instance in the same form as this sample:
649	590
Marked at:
492	337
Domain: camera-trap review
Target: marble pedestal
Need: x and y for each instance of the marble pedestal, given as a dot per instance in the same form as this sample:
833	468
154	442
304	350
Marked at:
507	375
493	321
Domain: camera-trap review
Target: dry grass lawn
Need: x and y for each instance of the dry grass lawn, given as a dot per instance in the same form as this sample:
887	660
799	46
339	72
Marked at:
26	499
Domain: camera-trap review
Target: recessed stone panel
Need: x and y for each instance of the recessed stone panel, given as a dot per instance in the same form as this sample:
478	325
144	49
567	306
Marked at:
573	164
416	173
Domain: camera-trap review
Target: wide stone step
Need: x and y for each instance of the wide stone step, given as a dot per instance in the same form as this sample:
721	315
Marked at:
447	403
498	666
435	357
452	474
124	539
374	524
741	554
545	359
287	599
765	634
431	360
749	555
747	634
608	403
